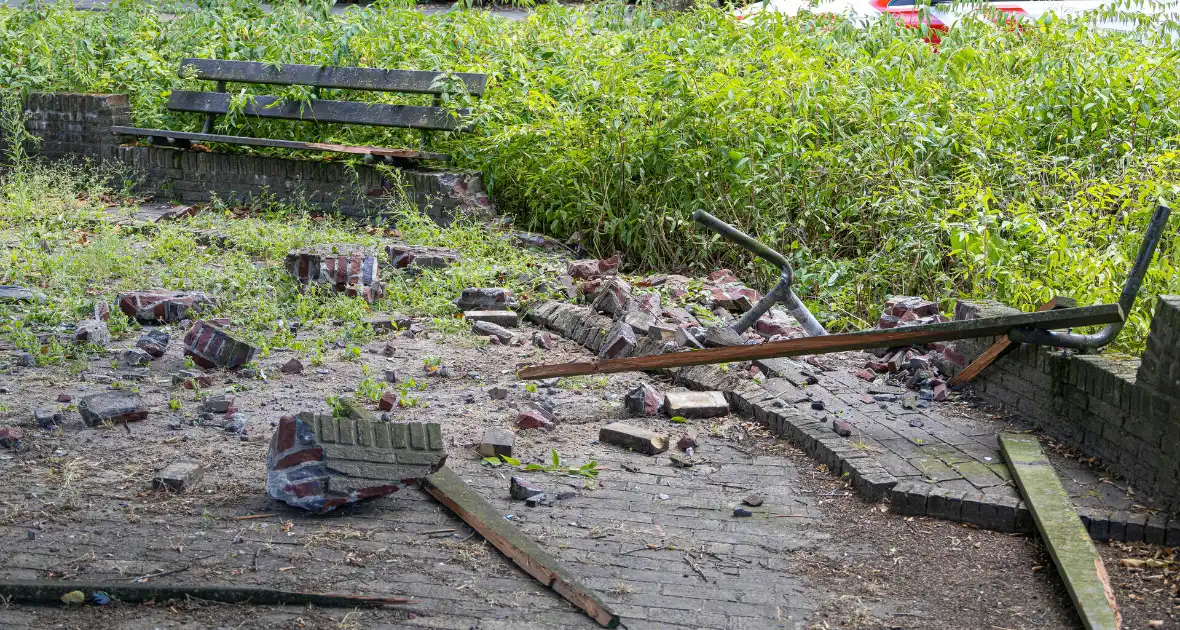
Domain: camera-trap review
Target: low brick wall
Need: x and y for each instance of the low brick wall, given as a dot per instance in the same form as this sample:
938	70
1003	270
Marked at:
1117	408
77	126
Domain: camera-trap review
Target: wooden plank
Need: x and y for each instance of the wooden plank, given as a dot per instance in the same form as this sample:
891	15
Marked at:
903	336
465	502
1069	543
335	77
342	112
1000	347
51	591
409	154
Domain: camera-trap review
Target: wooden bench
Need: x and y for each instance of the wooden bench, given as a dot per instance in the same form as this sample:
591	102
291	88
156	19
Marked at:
217	103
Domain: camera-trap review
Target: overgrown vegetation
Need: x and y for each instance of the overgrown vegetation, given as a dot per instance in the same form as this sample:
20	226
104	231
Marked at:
1008	163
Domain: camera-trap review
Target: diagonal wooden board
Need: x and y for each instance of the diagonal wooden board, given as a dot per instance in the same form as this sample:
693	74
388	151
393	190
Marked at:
465	502
929	333
1066	537
998	349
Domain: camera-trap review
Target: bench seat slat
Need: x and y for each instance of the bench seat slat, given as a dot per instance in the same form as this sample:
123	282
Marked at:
341	77
344	112
281	144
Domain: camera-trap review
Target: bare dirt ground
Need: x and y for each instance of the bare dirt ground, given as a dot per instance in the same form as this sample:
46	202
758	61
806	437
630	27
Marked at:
660	543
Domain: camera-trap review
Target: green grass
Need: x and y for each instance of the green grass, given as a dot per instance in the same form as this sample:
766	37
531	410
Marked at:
1006	164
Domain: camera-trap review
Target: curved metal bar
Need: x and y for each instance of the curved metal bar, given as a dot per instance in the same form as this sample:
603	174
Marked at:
781	292
1151	239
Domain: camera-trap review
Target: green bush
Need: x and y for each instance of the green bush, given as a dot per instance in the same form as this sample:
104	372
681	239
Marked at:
1008	163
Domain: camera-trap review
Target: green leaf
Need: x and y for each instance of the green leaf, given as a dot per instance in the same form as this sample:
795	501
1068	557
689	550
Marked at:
556	459
492	461
511	461
678	419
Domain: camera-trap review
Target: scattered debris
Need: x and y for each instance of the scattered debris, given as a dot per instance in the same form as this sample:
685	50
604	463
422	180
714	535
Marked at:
498	393
318	463
154	342
159	306
10	437
739	511
591	269
1062	531
543	340
391	376
210	346
497	442
465	502
506	319
753	500
113	406
521	489
354	273
92	331
135	357
683	461
179	476
47	418
293	366
634	438
533	419
497	332
687	441
54	591
711	404
10	293
644	400
842	428
619	342
485	299
402	256
25	359
613	298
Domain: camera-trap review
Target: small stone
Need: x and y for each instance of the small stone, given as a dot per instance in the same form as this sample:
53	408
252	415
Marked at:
521	489
644	400
916	423
842	428
92	331
506	319
64	398
566	495
533	419
391	376
940	393
538	499
235	424
10	437
543	340
721	337
46	418
817	405
498	393
25	359
389	401
742	512
154	342
753	500
497	332
885	397
682	461
634	438
485	299
909	401
709	404
926	394
389	349
179	476
496	442
690	337
867	375
662	332
113	406
217	404
687	441
810	379
135	357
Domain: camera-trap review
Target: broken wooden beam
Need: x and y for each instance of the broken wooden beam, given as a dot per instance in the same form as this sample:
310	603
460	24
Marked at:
1000	347
1063	533
51	591
465	502
862	340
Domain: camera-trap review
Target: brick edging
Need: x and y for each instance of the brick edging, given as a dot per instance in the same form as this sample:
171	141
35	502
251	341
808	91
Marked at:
867	477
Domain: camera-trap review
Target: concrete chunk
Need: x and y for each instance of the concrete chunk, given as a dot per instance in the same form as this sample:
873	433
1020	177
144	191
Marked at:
497	332
179	476
696	404
113	406
506	319
496	442
634	438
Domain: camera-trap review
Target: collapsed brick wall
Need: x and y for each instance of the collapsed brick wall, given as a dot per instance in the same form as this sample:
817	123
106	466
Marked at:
77	126
1120	409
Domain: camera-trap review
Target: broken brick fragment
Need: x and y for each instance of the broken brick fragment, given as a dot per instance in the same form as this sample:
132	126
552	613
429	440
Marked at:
591	269
210	347
10	437
402	256
160	306
644	400
92	331
318	463
488	329
354	273
153	342
533	419
619	342
113	406
485	299
613	298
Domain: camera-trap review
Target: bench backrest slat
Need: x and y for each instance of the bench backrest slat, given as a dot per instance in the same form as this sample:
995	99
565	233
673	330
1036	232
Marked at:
345	112
337	77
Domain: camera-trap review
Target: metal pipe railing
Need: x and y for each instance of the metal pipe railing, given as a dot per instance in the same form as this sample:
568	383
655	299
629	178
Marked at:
781	292
1151	239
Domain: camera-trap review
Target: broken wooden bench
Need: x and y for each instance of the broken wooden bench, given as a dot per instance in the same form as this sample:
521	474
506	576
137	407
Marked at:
430	118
